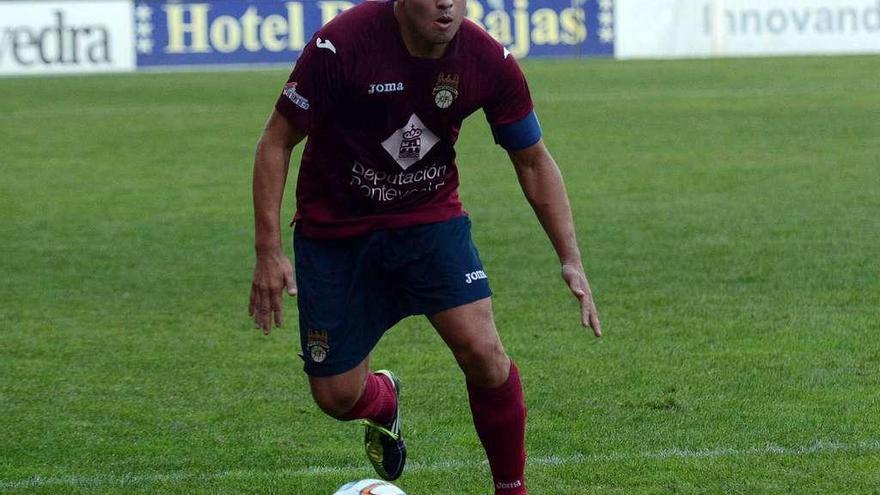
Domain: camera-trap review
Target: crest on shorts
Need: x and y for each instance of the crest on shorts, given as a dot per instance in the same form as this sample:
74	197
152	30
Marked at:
318	345
446	90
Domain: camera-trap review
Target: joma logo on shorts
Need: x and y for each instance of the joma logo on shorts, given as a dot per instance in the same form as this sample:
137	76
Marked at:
471	277
385	88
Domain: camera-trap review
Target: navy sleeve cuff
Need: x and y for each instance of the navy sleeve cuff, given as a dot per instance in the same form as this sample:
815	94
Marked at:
518	135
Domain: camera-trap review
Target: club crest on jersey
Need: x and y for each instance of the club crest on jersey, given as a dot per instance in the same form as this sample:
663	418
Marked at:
410	143
446	90
318	345
296	98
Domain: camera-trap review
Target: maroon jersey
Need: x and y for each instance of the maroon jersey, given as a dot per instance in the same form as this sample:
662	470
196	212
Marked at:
382	124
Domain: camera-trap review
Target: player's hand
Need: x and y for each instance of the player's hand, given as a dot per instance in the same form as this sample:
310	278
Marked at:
272	274
574	276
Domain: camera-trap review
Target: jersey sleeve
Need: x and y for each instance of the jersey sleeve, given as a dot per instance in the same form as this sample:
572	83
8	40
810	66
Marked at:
315	86
510	99
509	109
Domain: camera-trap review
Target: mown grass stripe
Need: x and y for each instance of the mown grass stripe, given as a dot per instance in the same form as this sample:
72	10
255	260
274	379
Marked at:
817	447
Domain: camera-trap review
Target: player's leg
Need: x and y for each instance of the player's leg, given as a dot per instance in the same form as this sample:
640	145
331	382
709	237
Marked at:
494	390
342	315
441	275
343	312
374	398
469	331
337	395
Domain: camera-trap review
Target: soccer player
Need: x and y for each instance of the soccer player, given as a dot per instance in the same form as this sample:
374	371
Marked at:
381	92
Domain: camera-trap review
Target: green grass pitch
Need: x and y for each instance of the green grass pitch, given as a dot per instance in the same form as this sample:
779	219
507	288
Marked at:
730	217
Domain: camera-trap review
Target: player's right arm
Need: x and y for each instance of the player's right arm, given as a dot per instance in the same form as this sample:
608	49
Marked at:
273	271
310	96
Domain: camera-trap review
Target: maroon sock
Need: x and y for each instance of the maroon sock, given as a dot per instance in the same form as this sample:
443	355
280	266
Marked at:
377	403
500	420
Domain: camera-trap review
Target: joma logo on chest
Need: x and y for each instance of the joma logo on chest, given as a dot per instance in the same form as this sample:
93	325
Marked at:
385	88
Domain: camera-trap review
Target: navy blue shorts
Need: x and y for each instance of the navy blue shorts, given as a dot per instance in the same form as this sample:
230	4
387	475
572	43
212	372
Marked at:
352	290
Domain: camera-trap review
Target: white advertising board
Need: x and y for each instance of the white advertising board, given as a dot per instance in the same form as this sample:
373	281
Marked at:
39	37
704	28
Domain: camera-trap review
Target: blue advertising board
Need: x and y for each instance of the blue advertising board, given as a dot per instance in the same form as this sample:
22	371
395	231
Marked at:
220	32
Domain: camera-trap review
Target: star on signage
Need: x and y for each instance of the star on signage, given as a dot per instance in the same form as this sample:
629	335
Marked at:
606	18
606	5
143	13
145	45
606	35
144	30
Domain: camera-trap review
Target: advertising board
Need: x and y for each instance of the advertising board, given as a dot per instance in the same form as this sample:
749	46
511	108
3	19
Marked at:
702	28
222	32
63	37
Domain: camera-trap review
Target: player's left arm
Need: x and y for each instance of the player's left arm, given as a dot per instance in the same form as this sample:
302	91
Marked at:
543	186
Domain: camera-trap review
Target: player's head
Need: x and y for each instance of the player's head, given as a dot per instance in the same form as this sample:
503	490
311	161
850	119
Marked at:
430	24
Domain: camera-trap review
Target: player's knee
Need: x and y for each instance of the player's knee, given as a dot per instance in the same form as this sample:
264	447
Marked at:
483	360
335	402
480	351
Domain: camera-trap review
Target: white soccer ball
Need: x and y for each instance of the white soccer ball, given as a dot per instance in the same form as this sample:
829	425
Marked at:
369	487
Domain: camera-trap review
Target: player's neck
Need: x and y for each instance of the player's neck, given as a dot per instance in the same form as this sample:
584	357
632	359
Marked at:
421	49
416	45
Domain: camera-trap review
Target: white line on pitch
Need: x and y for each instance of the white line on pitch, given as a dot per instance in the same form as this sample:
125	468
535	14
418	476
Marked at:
817	447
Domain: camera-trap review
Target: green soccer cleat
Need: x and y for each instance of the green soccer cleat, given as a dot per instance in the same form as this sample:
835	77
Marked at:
384	443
